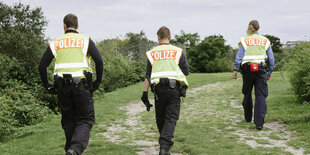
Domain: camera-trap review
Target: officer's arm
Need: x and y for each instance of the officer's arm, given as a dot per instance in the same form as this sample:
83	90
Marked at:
96	56
183	64
239	57
147	76
271	60
46	60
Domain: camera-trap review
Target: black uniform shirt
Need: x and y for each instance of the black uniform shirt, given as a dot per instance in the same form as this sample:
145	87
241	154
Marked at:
92	51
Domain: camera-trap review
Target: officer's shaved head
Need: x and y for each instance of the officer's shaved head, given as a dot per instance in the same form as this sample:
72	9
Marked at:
164	33
71	21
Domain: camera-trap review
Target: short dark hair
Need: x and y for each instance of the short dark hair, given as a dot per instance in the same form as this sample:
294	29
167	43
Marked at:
71	20
163	32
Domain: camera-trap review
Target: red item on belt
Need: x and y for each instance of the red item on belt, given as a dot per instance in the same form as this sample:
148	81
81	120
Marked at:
254	67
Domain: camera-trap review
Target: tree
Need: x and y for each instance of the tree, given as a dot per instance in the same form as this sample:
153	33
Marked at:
136	45
23	100
275	43
22	36
189	40
277	50
211	55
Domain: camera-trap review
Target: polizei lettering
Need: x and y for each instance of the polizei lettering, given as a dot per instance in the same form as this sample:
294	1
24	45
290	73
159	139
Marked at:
255	42
69	43
164	55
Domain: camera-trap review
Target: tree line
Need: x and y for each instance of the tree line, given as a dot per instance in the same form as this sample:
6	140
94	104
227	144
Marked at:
23	100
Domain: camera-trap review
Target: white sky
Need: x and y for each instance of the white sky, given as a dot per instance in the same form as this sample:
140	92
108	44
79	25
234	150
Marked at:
104	19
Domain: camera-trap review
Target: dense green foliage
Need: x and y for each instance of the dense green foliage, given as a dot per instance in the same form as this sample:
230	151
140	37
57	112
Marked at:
124	60
277	50
208	55
23	101
297	63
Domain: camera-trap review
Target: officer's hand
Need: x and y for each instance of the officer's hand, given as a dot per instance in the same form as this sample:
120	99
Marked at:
268	77
145	100
51	89
96	85
235	74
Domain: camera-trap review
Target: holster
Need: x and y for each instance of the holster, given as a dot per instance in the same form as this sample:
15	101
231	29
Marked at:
58	83
244	68
182	88
89	80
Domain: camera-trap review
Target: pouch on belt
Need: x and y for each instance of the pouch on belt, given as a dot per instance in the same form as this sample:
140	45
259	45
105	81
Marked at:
254	67
172	83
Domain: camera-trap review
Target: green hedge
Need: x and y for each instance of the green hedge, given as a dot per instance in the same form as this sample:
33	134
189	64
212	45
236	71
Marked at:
297	64
20	103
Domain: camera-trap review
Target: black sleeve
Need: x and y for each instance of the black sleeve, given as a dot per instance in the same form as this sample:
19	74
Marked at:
148	69
46	60
183	65
94	53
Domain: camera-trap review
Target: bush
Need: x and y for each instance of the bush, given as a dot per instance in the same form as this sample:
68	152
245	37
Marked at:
19	107
120	68
121	72
21	103
298	66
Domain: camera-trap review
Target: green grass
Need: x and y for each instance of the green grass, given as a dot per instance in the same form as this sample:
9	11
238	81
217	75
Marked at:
206	126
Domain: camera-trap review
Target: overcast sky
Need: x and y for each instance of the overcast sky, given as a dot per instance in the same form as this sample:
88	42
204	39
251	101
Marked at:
103	19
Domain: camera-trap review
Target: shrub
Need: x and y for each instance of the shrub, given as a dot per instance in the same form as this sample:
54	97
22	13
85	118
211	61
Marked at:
19	107
121	72
298	66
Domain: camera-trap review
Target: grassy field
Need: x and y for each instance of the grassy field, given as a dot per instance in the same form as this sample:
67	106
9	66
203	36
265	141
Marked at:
211	122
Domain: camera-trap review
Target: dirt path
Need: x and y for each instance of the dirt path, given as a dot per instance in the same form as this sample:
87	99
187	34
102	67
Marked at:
274	135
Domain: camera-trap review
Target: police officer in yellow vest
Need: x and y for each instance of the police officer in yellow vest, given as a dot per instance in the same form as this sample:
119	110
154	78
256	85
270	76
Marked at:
165	72
256	62
72	82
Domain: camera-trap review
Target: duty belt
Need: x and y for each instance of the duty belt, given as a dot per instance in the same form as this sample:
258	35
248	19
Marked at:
172	83
67	79
246	66
166	81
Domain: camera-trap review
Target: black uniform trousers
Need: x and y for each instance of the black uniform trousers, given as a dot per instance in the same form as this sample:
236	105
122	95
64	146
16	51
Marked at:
78	116
167	108
259	81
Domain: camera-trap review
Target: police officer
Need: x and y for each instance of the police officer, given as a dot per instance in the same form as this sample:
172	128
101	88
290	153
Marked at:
255	57
72	78
166	70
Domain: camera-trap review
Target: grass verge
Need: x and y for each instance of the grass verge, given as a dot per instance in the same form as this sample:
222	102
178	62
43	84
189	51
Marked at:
206	123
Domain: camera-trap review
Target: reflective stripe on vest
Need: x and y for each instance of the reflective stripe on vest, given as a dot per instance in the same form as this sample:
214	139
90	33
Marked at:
70	51
255	48
164	60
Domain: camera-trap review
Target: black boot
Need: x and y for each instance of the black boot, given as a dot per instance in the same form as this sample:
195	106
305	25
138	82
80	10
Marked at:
71	152
164	151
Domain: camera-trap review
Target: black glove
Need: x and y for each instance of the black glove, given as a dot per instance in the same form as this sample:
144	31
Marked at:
96	85
51	89
145	100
